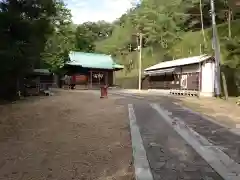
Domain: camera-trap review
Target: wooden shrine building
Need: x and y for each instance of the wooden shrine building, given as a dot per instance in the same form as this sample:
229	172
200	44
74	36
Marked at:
192	75
91	70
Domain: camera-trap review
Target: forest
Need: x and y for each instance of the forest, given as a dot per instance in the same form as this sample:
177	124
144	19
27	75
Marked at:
40	34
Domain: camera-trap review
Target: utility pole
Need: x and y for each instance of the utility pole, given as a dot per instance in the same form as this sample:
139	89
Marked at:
140	62
216	48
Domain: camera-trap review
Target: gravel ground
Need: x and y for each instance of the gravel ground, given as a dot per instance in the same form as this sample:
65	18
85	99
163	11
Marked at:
66	136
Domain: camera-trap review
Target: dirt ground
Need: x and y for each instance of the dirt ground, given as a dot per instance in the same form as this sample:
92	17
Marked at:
66	136
224	112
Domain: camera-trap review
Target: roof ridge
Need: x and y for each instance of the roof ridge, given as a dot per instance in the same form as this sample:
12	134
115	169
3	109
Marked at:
179	62
189	57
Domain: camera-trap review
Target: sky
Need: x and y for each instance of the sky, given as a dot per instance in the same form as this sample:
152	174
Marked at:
95	10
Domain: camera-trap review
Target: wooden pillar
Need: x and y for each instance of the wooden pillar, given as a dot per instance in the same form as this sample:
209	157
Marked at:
106	78
91	79
199	79
180	78
113	78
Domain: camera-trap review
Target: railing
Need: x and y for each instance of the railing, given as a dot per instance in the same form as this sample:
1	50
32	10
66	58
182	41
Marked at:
184	92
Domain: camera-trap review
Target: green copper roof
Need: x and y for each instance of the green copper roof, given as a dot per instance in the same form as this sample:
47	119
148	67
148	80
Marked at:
92	60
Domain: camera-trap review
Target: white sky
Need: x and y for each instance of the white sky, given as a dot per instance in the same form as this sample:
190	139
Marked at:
95	10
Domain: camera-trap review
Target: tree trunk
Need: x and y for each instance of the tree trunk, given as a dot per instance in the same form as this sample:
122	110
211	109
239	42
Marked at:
8	90
229	23
202	23
224	86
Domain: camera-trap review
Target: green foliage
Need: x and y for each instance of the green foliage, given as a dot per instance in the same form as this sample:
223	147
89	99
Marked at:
67	37
233	55
170	30
193	22
118	42
24	29
229	47
161	21
61	41
88	33
165	25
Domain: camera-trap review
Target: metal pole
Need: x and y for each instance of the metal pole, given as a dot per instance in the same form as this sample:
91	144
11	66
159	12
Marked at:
140	63
216	48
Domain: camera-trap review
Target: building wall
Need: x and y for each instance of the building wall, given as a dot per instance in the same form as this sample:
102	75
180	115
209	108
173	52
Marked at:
92	77
190	68
186	77
189	77
196	77
169	81
208	77
81	79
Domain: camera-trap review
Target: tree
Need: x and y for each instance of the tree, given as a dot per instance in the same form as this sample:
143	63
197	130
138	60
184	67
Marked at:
193	21
24	28
233	53
90	32
61	41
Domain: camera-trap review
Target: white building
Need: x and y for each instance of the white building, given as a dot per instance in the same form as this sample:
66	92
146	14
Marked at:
193	75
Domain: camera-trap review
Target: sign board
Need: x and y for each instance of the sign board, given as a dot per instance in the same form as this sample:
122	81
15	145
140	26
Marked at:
98	76
184	81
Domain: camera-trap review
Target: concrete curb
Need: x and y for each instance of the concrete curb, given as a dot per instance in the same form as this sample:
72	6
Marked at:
126	95
141	164
226	167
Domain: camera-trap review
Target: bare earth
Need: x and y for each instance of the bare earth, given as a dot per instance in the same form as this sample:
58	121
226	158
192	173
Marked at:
224	112
66	136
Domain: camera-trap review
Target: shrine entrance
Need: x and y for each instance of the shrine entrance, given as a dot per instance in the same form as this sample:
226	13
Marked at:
98	78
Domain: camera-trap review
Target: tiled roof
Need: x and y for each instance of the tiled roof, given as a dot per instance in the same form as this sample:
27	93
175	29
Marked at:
179	62
92	60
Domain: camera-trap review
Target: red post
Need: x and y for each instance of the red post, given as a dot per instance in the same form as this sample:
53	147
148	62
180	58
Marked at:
104	92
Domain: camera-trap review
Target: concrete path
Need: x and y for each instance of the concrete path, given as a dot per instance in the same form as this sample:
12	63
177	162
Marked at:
181	144
169	156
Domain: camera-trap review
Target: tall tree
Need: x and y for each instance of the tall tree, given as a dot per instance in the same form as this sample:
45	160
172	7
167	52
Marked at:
90	32
62	40
24	28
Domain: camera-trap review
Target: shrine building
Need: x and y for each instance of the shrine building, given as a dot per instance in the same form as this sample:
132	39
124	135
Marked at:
92	70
